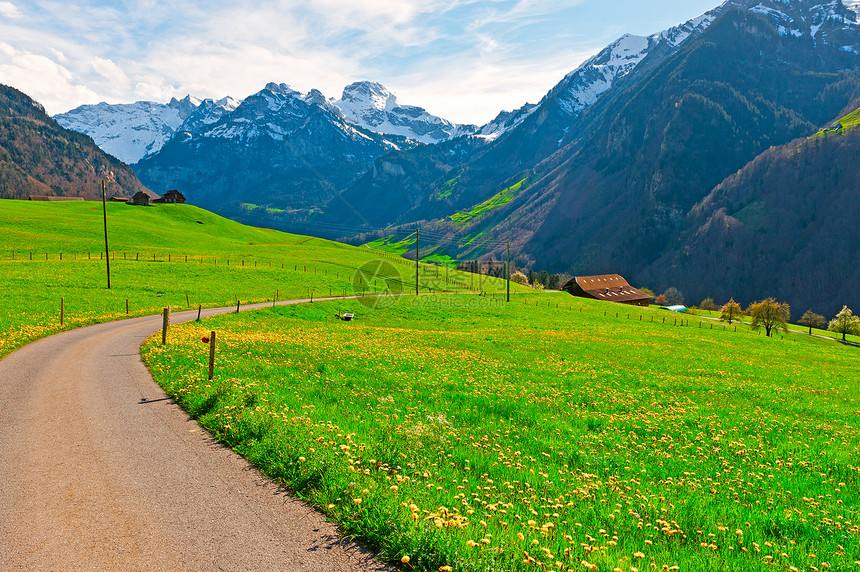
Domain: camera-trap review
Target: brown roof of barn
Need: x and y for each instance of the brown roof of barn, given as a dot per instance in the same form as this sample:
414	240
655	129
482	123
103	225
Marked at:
609	287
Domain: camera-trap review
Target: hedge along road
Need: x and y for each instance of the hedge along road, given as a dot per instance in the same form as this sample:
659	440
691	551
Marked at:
101	471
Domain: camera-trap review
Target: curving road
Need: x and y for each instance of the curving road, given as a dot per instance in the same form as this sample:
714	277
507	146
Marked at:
99	470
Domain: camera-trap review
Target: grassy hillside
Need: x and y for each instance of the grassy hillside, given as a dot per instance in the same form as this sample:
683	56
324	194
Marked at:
172	255
550	433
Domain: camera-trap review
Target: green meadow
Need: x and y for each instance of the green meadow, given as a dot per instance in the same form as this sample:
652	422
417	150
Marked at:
460	432
52	255
453	430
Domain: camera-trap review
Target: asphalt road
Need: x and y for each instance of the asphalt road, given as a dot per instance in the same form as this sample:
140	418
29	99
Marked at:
99	470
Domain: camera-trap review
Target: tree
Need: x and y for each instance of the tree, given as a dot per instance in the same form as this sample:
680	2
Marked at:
707	304
812	320
519	278
770	315
845	322
648	291
731	311
533	277
543	277
661	300
673	296
554	282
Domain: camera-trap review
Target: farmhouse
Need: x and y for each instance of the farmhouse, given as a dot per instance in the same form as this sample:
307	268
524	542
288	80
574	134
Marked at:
172	196
139	198
607	287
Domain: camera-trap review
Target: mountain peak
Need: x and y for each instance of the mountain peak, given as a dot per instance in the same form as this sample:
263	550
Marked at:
372	106
369	94
281	89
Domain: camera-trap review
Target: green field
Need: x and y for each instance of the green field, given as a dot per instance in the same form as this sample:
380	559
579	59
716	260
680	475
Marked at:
548	433
172	255
460	430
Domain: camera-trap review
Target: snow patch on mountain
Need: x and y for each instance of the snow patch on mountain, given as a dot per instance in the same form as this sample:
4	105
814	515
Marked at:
372	106
825	22
504	122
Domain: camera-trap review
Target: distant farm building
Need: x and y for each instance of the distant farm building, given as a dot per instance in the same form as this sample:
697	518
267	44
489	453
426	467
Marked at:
118	199
54	199
171	196
609	288
140	198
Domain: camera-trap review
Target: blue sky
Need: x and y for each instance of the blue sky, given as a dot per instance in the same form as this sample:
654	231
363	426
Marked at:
465	60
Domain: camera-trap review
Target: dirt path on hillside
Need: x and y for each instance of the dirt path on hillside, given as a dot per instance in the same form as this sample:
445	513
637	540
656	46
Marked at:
99	470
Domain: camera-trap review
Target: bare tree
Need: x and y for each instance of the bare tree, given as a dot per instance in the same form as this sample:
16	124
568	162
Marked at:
812	320
673	296
731	311
707	304
770	315
845	322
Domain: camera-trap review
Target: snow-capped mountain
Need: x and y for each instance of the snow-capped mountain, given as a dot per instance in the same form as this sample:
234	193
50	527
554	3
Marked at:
129	131
583	86
373	107
279	147
279	112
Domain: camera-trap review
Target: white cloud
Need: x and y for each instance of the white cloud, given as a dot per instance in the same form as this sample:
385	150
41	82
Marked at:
110	73
9	10
43	79
462	59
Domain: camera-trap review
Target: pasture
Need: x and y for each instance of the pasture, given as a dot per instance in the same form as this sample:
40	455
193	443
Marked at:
52	261
459	432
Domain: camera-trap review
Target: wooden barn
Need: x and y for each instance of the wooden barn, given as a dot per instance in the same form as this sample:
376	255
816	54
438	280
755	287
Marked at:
172	196
140	198
607	287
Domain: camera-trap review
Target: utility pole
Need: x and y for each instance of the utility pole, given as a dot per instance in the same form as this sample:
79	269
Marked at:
107	249
416	260
508	272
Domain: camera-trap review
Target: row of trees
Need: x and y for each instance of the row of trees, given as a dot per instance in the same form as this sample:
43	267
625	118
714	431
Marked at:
492	267
772	315
540	280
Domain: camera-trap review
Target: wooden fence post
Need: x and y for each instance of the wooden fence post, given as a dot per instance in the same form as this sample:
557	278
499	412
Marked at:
211	354
199	311
164	325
